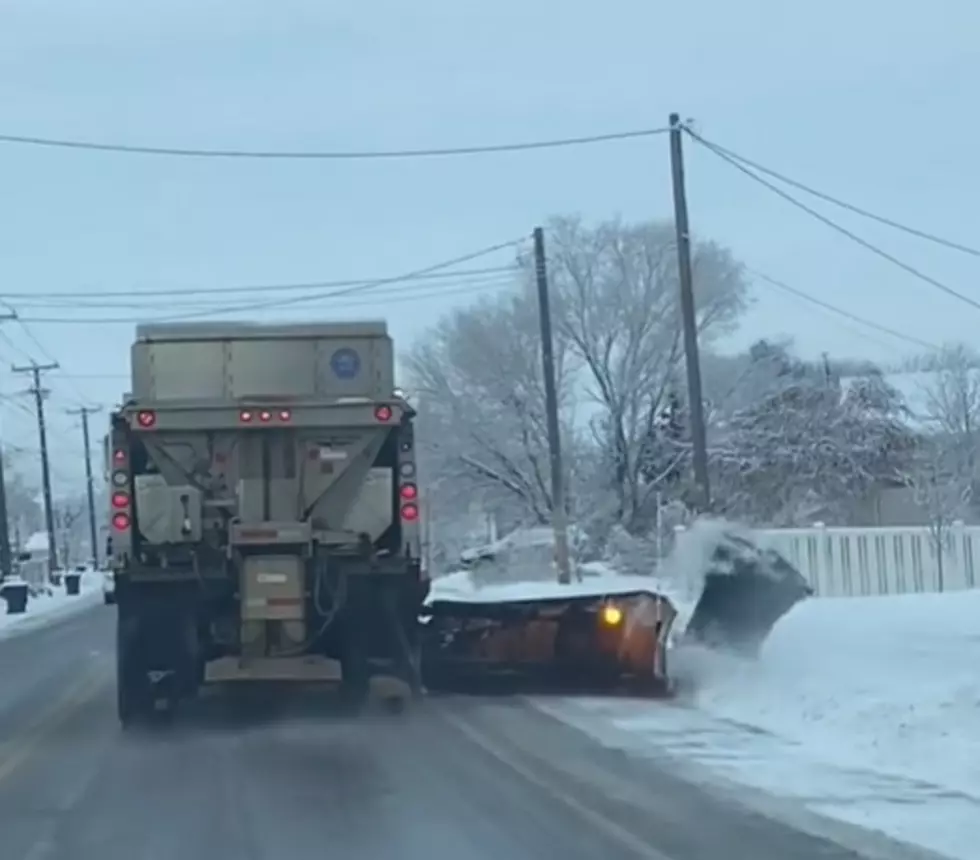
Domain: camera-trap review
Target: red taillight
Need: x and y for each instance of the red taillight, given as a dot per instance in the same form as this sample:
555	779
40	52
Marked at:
410	512
265	415
119	456
245	416
120	500
285	415
409	492
383	413
120	522
146	418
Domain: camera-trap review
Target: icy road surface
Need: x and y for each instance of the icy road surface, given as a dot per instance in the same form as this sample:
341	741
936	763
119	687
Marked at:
268	778
863	709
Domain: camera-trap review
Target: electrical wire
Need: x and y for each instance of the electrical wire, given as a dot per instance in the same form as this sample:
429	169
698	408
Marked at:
153	302
358	288
84	292
773	282
836	201
45	353
372	302
829	222
348	155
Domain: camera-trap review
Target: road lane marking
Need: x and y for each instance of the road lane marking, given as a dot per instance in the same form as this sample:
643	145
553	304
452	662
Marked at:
612	829
17	750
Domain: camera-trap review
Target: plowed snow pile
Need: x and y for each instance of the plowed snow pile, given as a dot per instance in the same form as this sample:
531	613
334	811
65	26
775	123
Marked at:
863	709
891	683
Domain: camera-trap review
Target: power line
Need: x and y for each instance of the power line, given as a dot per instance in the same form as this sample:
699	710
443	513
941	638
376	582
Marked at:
836	201
363	287
72	295
348	155
839	311
372	302
387	296
854	237
403	290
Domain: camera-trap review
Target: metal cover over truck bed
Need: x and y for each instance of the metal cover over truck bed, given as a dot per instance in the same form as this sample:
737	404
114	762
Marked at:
240	360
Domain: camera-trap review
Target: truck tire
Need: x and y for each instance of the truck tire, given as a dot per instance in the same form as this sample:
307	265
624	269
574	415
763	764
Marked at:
355	673
134	698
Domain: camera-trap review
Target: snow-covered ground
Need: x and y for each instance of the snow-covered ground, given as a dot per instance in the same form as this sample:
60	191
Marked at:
862	709
47	608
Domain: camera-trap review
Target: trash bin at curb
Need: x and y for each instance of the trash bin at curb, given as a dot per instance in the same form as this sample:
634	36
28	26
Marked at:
73	582
14	591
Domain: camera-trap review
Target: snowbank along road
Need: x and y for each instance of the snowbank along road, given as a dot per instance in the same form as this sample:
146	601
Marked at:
861	709
255	776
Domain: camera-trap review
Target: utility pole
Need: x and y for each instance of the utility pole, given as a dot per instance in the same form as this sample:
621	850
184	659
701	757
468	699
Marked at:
40	393
559	520
85	411
6	557
689	322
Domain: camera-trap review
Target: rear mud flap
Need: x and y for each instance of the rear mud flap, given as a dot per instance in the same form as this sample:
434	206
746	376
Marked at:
746	591
580	643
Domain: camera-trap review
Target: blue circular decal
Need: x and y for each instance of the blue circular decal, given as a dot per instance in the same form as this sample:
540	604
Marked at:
345	363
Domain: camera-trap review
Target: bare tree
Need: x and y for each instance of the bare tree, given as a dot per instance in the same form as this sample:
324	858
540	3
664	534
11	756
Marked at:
942	482
68	515
478	376
945	471
952	401
617	306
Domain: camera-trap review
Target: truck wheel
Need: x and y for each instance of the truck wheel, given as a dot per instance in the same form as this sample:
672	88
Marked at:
134	701
355	676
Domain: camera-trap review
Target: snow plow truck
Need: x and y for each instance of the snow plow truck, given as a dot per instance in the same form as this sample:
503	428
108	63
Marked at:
264	512
265	526
608	632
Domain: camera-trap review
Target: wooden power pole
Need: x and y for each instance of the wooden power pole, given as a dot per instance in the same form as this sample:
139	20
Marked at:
559	520
689	323
40	393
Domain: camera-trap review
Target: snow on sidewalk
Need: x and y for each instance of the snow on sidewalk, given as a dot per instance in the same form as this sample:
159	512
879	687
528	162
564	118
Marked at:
863	709
47	608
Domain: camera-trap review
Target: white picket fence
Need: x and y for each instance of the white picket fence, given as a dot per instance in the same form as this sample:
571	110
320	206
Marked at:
844	562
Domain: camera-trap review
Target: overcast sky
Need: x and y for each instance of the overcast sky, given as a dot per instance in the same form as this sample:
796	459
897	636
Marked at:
866	100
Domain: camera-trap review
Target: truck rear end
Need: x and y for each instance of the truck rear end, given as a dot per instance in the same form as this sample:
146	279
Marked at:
265	516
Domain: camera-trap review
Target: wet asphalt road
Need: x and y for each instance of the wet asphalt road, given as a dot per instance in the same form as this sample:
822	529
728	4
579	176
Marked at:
259	777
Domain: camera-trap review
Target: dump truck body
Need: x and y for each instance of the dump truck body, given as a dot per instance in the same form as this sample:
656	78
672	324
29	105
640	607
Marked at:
265	518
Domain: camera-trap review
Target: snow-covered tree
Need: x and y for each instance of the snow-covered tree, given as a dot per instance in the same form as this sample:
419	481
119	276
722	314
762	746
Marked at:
809	446
617	307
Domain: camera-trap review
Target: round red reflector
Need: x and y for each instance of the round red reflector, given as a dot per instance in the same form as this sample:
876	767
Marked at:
119	456
382	413
265	415
120	500
146	418
245	416
285	415
409	492
120	522
410	512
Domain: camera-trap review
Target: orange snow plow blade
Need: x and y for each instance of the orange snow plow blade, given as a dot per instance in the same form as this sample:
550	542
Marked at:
582	642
